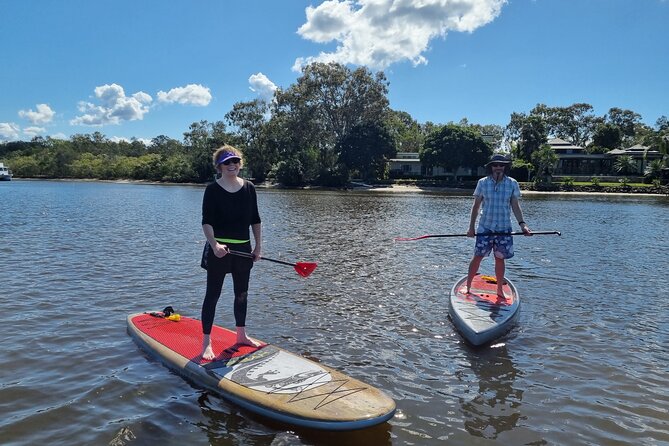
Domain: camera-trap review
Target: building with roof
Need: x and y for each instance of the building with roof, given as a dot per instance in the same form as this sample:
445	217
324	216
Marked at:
408	164
575	161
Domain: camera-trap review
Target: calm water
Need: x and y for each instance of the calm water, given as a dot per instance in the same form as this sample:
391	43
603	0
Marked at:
587	364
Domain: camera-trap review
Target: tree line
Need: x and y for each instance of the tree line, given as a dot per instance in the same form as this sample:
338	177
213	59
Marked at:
333	124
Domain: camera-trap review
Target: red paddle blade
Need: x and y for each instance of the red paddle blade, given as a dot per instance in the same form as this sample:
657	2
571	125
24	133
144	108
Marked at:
408	239
305	268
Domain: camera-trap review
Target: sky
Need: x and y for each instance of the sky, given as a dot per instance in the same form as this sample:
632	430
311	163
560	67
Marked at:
141	69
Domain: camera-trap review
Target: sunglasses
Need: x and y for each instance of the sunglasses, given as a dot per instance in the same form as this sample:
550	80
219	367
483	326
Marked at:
497	165
231	160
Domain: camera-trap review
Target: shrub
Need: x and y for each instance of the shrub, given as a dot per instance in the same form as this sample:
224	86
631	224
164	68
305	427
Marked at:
568	181
288	172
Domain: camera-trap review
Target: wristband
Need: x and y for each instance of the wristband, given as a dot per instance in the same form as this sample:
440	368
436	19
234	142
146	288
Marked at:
521	223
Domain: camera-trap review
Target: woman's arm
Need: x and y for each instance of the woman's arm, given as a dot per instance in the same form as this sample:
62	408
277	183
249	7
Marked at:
220	250
257	236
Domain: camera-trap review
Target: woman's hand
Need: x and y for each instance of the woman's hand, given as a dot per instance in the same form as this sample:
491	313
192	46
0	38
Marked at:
220	250
256	253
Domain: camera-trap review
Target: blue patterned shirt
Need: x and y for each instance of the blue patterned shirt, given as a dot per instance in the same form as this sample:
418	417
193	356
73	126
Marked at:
496	205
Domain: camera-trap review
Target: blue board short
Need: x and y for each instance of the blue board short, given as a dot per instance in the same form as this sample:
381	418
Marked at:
501	245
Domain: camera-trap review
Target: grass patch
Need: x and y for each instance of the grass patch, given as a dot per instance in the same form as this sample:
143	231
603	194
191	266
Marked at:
609	184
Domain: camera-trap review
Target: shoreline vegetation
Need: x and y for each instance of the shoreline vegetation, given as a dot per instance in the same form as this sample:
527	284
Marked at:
335	126
466	187
416	186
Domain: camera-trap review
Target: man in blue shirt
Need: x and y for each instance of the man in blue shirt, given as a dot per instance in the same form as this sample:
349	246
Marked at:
499	194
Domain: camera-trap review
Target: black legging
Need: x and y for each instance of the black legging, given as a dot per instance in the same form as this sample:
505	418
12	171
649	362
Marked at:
240	284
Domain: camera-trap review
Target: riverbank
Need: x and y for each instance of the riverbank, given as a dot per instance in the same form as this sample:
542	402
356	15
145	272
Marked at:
399	188
526	188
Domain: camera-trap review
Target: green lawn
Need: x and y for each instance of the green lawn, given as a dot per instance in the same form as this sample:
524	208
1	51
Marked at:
609	184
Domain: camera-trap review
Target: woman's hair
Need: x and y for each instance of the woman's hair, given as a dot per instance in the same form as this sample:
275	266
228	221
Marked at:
227	148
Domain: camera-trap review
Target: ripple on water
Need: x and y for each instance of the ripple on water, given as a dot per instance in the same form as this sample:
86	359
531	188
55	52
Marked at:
576	370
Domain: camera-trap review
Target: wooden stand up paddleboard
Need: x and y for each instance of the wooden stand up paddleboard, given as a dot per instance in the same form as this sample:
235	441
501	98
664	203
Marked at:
481	316
266	380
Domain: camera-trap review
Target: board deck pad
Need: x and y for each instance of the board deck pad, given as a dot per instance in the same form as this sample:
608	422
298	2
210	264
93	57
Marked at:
185	338
484	290
267	379
481	315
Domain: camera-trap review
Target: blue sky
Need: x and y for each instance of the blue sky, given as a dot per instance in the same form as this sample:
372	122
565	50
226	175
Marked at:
129	68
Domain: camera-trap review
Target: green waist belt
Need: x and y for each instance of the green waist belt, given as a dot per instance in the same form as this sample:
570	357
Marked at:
231	240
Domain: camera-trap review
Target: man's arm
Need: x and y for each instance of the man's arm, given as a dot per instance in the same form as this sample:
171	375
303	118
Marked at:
518	212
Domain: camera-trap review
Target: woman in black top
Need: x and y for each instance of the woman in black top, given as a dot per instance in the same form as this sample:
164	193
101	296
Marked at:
229	208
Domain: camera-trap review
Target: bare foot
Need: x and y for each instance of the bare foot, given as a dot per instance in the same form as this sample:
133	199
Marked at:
247	341
207	349
243	339
208	353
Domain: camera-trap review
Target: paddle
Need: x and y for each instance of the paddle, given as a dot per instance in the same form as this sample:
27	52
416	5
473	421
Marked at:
408	239
302	268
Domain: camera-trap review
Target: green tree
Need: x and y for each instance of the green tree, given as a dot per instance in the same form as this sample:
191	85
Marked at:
575	123
662	124
289	172
513	129
453	146
326	102
607	136
176	168
367	148
165	145
532	137
87	165
406	131
250	120
654	169
544	161
626	120
201	140
625	165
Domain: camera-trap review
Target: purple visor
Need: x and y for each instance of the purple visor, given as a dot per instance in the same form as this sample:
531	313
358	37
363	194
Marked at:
226	156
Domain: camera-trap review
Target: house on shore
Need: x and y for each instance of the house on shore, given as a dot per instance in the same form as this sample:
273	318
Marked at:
573	161
408	164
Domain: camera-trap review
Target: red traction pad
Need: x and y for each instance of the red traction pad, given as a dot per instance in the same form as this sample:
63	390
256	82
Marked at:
484	290
185	337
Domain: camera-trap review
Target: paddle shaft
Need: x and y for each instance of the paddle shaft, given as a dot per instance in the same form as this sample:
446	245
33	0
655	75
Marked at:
250	256
465	235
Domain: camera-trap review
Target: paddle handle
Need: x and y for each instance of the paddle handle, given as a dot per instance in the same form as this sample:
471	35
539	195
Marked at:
248	255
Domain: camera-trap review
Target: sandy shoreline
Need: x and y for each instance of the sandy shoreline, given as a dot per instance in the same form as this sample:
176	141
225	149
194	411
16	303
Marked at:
359	187
467	192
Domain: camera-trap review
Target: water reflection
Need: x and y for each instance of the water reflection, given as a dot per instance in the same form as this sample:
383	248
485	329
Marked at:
496	408
223	422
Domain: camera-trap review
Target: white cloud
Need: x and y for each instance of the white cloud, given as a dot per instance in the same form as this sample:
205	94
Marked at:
191	94
115	107
43	115
9	131
147	142
31	132
261	85
378	33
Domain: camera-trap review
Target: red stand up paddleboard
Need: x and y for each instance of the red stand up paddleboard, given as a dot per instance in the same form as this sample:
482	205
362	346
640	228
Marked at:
266	380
